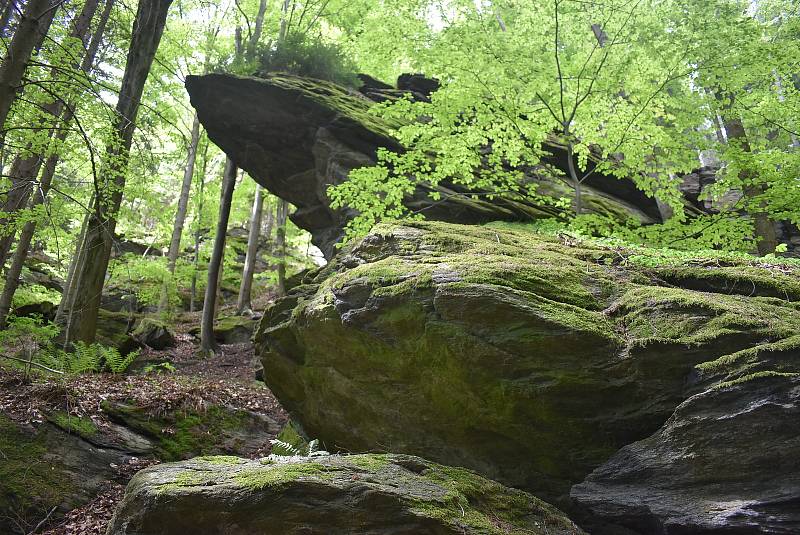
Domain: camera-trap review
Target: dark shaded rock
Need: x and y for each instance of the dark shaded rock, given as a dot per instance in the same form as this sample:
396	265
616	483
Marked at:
727	461
44	309
127	246
42	468
331	495
531	359
116	299
297	136
154	334
418	83
114	330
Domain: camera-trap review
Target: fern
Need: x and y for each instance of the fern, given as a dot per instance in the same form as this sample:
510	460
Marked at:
116	362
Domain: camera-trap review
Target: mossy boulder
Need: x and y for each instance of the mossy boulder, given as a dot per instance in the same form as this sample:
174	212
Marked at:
365	494
153	333
529	358
727	461
114	330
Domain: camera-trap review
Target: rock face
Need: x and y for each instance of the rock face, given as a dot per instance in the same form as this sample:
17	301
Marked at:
365	494
728	460
533	360
297	136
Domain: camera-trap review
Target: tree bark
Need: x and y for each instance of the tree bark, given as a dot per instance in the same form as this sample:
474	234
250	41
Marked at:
198	220
574	179
34	24
766	238
252	44
87	284
245	289
208	345
5	16
280	242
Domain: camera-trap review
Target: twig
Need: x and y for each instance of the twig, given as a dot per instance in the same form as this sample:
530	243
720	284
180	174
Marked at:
45	519
34	363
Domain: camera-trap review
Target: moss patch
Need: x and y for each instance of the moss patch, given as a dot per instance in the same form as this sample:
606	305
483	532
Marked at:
81	426
183	434
276	474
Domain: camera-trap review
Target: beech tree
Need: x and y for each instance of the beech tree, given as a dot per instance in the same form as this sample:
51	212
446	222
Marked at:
83	295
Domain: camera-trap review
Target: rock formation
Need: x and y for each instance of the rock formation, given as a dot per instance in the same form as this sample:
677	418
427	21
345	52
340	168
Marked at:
544	363
330	495
297	136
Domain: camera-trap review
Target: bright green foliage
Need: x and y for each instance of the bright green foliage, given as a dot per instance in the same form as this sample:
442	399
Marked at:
631	89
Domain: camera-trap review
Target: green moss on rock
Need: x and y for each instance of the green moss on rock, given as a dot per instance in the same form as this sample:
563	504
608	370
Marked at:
342	494
529	357
79	425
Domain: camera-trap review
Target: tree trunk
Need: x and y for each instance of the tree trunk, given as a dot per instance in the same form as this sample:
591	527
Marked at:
243	304
35	23
208	345
95	252
80	28
25	170
280	242
183	204
5	16
252	44
766	238
574	180
198	221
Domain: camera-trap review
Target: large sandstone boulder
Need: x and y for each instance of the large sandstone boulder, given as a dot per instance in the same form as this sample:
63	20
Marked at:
330	495
533	359
297	136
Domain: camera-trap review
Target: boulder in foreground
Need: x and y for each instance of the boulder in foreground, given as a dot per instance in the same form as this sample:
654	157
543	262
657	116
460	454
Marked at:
365	494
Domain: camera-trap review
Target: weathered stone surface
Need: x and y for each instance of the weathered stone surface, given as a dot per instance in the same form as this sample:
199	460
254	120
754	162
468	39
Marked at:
531	359
114	330
728	460
154	334
214	430
330	495
43	469
298	136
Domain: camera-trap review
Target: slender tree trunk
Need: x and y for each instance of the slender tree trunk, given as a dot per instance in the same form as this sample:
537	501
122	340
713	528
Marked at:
24	170
180	215
208	345
574	179
767	240
280	242
270	221
35	23
95	253
198	221
5	16
252	44
243	304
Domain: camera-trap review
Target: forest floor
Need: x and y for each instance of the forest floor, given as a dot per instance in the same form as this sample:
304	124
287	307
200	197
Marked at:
226	379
